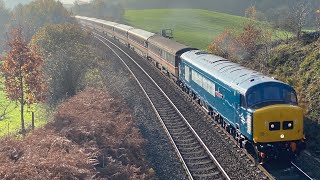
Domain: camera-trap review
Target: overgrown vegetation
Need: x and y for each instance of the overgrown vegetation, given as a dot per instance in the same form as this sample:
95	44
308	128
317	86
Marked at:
295	61
92	136
68	57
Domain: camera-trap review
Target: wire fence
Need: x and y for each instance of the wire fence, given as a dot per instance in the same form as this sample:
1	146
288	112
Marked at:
8	130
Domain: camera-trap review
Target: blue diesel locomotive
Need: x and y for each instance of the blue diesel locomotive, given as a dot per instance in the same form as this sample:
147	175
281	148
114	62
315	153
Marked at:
257	110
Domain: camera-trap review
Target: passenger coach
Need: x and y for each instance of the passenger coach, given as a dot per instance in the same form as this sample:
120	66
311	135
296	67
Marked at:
166	54
138	40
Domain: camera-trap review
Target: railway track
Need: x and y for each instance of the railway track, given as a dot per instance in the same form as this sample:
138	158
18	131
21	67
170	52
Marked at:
286	171
197	160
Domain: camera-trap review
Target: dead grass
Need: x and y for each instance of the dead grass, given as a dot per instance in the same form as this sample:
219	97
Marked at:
93	136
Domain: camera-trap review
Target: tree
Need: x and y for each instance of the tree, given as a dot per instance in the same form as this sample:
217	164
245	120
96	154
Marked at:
297	16
22	69
318	19
68	56
4	20
37	13
102	9
251	13
242	45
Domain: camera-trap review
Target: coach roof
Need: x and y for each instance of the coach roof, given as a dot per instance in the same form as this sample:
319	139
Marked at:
232	74
141	33
167	44
123	27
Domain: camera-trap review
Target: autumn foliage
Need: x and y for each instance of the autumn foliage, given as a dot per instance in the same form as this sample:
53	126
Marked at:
92	136
22	69
242	45
23	65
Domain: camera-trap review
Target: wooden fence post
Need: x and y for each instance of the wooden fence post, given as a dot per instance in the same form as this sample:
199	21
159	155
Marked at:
32	123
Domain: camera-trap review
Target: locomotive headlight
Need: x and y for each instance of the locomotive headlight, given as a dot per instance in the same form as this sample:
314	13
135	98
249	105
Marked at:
287	125
282	136
272	126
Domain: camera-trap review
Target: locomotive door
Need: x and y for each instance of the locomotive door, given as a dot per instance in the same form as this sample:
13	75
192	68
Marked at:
237	110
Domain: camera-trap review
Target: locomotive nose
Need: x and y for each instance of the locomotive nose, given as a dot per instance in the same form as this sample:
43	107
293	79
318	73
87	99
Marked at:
278	123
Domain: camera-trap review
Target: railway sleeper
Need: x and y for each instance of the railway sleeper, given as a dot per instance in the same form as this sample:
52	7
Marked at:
187	144
170	114
213	175
186	140
204	156
201	169
175	126
203	162
184	137
190	148
193	152
178	129
179	134
174	120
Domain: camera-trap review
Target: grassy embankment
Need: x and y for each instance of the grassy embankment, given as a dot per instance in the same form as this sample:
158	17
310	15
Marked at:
193	27
11	123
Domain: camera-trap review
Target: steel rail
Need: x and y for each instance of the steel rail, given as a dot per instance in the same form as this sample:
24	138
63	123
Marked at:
301	171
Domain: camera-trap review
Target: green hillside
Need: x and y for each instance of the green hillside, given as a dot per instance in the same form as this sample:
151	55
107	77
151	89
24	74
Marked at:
193	27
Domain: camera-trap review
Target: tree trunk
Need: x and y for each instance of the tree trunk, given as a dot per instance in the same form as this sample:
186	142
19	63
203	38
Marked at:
23	130
22	118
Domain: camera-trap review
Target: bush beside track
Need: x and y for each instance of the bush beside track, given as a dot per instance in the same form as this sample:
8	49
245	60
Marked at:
92	136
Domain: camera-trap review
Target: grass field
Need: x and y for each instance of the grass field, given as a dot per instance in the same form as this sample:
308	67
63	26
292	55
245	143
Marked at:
193	27
10	124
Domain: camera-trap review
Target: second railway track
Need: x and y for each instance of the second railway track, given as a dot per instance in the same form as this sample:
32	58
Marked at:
196	158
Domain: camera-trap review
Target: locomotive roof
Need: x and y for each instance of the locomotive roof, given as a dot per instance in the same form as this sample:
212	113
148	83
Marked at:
123	27
232	74
167	44
141	33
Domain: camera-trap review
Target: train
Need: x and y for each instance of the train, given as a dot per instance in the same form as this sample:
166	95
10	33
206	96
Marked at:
260	112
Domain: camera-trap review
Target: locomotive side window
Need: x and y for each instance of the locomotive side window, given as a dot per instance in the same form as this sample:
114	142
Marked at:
243	101
254	97
186	73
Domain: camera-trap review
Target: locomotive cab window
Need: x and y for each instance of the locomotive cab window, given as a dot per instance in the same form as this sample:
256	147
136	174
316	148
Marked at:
289	96
269	95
